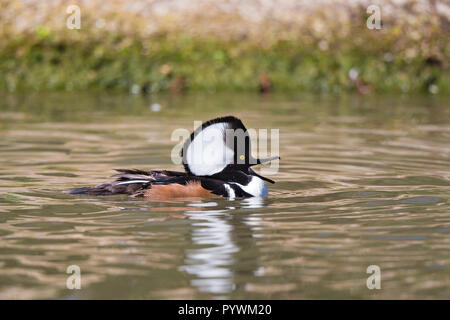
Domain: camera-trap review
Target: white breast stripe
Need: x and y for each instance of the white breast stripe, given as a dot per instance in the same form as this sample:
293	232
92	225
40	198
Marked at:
230	190
256	187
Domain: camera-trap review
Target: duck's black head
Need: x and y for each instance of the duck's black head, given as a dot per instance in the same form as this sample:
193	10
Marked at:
221	148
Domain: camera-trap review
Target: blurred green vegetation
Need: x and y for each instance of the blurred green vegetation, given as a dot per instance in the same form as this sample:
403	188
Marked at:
401	57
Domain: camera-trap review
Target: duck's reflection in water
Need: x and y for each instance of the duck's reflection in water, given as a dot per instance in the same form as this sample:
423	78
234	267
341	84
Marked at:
212	258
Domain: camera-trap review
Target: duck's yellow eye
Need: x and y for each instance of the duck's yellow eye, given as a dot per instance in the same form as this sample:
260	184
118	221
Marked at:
242	157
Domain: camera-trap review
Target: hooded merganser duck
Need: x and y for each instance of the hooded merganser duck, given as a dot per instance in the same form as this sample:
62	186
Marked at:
217	162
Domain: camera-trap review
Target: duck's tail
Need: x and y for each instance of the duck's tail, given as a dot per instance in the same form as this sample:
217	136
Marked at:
108	189
128	181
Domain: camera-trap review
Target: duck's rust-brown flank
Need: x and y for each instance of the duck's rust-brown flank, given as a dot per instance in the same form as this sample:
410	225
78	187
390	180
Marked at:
191	189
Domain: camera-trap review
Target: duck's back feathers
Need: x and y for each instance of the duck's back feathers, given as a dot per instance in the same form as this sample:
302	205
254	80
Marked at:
128	181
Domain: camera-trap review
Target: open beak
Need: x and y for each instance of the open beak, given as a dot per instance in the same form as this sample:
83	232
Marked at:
260	161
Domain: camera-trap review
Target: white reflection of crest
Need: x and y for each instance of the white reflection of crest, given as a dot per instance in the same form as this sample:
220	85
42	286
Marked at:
211	260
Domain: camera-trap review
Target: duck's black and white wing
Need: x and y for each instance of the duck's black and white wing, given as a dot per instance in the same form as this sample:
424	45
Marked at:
128	181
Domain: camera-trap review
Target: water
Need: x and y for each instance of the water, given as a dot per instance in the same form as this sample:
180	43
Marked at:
363	181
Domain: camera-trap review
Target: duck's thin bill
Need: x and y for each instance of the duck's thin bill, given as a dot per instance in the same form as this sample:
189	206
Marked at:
265	160
251	171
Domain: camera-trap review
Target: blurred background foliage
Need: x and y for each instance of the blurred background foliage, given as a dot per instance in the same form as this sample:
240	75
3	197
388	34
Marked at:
177	45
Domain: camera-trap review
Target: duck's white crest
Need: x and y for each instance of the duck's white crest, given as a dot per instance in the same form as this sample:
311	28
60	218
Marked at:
208	153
